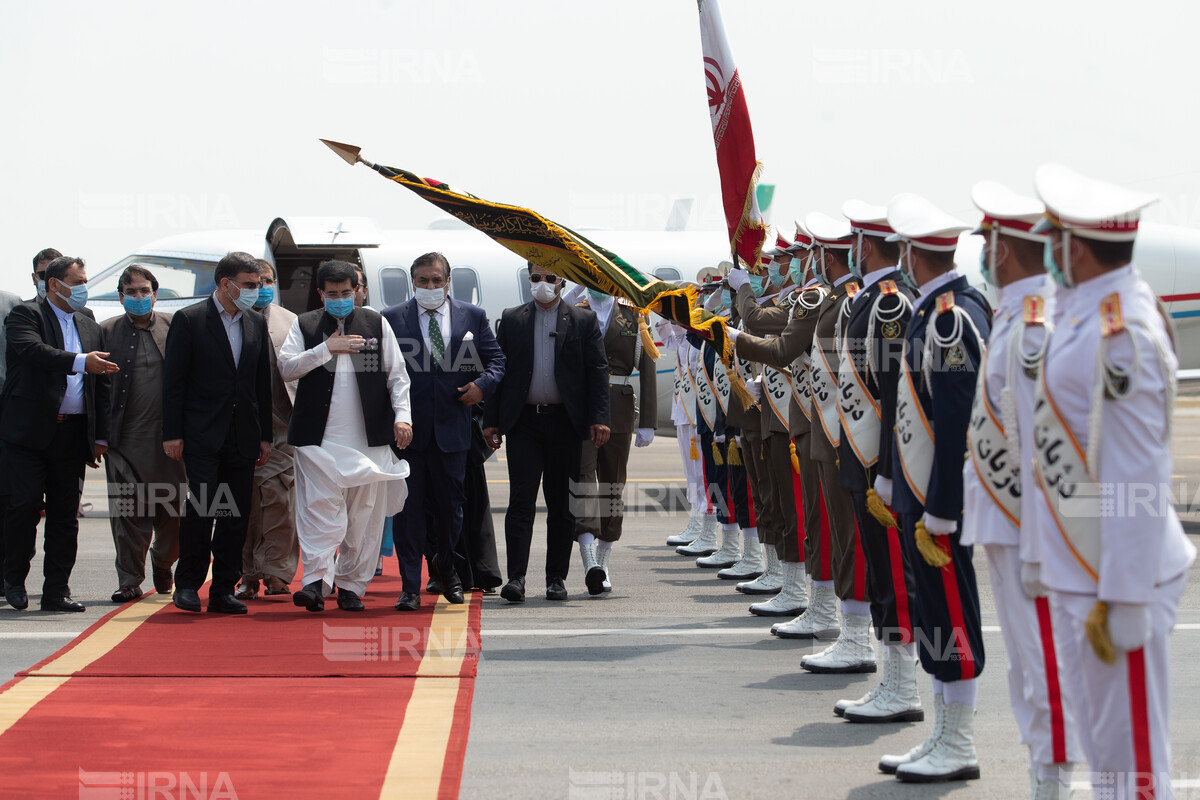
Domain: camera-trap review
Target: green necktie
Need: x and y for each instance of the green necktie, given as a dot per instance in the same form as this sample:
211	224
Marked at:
436	345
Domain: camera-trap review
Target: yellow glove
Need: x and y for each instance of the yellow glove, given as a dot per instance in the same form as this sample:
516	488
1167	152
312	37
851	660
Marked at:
934	556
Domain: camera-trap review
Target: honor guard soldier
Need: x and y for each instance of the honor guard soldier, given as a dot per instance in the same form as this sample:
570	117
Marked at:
704	540
779	524
998	480
852	650
683	415
870	368
942	350
628	348
1115	562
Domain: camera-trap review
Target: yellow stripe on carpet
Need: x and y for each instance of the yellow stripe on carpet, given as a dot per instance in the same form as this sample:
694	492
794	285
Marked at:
22	696
105	638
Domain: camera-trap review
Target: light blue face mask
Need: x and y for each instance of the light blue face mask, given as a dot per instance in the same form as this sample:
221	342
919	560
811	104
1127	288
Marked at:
796	270
984	269
78	297
757	285
266	294
1052	266
726	298
41	289
597	297
137	306
854	270
775	277
339	308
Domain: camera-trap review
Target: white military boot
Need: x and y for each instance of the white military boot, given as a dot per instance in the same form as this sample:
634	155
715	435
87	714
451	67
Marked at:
593	573
1047	789
704	544
899	700
889	675
852	652
889	764
820	621
771	581
791	599
727	555
602	556
751	565
952	758
689	533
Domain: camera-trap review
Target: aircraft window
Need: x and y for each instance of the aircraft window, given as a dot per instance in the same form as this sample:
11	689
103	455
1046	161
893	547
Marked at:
464	285
667	274
177	277
393	283
523	284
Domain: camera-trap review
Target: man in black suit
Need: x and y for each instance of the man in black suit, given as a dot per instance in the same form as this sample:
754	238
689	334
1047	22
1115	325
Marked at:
217	420
454	363
53	422
553	396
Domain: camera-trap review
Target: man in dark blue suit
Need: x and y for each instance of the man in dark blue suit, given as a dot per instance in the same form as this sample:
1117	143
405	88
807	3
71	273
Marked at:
453	363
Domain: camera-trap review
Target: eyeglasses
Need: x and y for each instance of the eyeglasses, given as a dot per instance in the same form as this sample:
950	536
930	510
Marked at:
551	279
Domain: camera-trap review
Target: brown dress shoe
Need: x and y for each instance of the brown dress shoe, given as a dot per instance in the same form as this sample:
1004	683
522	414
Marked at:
276	586
126	593
247	589
163	580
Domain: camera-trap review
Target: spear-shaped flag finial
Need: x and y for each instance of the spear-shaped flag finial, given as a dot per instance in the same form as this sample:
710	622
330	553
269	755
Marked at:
348	152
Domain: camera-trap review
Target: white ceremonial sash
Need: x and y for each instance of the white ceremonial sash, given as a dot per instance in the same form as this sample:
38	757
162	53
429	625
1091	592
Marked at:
999	470
685	390
1060	468
777	393
705	398
858	411
802	386
825	394
914	438
721	386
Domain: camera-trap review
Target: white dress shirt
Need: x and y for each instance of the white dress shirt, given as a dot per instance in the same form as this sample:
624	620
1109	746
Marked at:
603	309
73	400
233	329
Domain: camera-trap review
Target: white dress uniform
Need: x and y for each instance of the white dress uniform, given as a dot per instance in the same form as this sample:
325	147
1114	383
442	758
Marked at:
1111	538
683	415
998	488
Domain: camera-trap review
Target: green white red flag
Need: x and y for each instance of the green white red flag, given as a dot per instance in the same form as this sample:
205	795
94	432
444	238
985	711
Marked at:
733	138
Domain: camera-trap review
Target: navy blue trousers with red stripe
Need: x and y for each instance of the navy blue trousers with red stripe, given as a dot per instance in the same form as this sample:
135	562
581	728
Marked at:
946	622
889	577
727	486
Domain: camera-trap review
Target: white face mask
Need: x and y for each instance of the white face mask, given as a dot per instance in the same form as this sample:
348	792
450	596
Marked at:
542	292
430	298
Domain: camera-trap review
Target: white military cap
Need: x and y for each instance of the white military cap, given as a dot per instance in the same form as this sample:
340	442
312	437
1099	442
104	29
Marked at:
829	232
708	275
922	224
1087	207
803	240
781	245
1005	211
867	219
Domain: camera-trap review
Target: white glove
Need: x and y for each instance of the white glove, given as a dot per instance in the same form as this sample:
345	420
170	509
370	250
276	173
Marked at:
1128	625
938	526
883	488
644	437
1031	580
732	333
737	278
754	387
719	439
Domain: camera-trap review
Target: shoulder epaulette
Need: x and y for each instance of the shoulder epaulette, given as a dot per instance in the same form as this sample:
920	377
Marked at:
852	288
1112	321
888	287
1035	310
945	302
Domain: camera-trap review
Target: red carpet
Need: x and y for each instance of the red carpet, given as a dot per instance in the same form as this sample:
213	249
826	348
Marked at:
150	702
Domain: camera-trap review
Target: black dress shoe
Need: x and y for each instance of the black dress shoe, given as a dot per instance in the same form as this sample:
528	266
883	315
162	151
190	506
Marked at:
186	600
433	586
556	589
514	591
225	604
16	597
454	595
349	601
162	579
61	603
312	596
126	593
409	601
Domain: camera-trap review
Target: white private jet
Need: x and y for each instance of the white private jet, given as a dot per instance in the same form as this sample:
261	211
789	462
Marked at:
486	274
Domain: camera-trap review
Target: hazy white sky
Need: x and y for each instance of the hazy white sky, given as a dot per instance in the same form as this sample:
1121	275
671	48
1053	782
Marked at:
127	121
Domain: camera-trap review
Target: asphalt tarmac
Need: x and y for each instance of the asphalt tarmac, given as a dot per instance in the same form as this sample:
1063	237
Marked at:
668	687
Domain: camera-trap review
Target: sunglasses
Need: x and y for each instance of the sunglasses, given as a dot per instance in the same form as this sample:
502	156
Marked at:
551	279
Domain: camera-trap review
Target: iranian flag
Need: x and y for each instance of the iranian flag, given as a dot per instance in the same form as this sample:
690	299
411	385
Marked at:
734	139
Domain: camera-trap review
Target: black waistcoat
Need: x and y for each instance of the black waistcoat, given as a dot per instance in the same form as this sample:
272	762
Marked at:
315	390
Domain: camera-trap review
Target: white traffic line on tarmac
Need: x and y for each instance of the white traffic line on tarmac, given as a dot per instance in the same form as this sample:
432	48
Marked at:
39	634
759	631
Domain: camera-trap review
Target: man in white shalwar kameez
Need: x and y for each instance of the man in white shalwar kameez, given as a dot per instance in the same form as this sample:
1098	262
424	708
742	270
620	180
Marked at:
352	405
